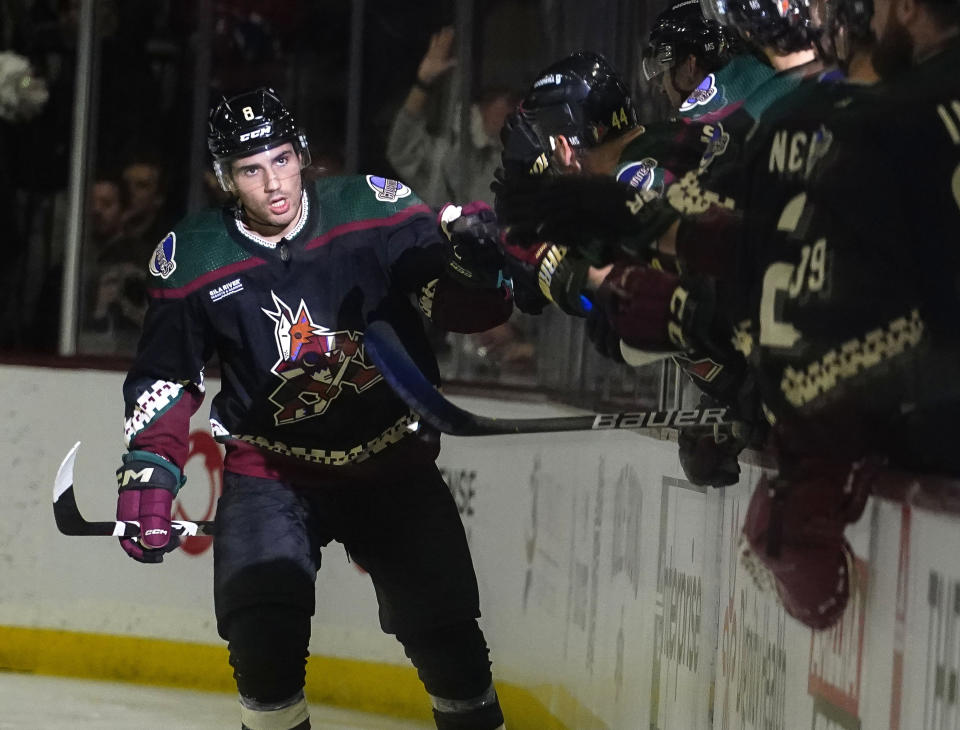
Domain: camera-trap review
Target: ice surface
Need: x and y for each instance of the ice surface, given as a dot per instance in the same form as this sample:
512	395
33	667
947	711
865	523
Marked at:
32	702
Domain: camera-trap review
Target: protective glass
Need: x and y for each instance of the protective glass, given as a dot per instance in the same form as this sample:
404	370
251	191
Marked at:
252	170
657	59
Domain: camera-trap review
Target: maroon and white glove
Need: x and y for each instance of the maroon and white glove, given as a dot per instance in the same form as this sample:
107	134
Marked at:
147	485
636	300
793	542
657	311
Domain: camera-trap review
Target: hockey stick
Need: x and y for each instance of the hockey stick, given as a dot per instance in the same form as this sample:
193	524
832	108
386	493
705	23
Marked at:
71	522
401	372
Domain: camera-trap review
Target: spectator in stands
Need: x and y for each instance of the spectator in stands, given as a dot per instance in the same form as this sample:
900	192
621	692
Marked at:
107	208
114	275
146	219
434	165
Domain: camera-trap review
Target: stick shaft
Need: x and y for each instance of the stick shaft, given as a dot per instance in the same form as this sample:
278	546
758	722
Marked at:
408	381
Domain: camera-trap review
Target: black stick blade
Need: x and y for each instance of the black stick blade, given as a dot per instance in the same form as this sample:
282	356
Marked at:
71	522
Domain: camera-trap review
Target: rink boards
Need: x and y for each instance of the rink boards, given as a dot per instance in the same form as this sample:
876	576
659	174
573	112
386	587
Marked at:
610	589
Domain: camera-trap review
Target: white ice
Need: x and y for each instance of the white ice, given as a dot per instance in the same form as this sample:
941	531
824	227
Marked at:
31	702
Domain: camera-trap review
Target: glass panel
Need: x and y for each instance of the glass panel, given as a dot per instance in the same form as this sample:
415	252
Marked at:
157	60
36	73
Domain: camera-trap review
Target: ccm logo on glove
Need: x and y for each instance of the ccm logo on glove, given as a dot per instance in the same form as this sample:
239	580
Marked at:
131	475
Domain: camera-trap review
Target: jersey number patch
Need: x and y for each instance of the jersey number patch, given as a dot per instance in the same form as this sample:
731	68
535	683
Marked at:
782	278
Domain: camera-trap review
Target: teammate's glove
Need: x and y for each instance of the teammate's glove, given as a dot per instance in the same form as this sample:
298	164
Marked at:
601	218
147	485
474	257
793	541
709	458
524	161
544	274
525	154
657	311
636	301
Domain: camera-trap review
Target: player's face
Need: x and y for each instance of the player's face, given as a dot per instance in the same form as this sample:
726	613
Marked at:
679	81
268	185
106	212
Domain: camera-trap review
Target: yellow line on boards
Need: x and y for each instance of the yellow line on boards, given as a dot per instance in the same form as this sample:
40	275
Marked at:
351	683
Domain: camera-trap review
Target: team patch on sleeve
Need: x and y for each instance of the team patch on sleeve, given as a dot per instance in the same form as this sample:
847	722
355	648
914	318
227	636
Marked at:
162	262
639	175
702	95
387	190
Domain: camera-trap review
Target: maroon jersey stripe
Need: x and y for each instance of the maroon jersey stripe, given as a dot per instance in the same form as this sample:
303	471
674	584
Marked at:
363	225
182	291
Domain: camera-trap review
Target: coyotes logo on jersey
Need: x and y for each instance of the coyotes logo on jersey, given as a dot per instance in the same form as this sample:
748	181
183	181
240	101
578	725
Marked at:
315	364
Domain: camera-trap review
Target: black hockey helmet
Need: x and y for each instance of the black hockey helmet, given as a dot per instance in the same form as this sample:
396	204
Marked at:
582	98
247	123
786	26
681	30
846	23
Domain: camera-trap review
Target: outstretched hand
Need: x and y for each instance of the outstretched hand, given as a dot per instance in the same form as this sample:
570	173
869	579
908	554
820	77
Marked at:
439	58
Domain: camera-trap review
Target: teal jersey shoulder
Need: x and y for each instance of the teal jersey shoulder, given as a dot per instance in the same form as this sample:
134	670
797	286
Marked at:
771	90
196	245
353	198
725	90
202	244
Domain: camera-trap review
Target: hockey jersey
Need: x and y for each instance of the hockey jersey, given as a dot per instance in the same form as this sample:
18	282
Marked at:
666	151
851	276
286	322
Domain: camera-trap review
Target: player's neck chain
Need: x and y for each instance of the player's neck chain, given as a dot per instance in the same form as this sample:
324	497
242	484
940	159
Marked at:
304	212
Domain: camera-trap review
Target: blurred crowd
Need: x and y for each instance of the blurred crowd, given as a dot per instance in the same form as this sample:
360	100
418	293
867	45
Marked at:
426	123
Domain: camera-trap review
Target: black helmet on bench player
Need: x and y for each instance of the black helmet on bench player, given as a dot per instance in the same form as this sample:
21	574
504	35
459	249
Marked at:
582	98
251	122
786	26
681	31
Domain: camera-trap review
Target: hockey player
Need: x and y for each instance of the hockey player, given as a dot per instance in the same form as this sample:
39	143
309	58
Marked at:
848	316
706	74
574	119
554	111
854	298
596	214
280	287
683	50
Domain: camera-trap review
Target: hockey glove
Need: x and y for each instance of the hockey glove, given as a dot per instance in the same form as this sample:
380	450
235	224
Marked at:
147	485
710	458
793	542
599	217
523	163
544	274
525	154
636	301
657	311
474	257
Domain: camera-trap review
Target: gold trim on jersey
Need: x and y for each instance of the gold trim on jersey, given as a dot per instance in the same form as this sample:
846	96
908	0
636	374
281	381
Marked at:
404	426
851	358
